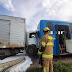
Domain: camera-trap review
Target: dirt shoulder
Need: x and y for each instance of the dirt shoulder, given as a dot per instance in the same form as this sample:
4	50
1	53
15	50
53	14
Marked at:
57	59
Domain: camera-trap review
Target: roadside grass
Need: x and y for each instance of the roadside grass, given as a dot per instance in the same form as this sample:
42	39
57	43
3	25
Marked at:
60	67
11	66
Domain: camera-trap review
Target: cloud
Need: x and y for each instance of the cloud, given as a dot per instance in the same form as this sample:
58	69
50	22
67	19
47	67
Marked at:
36	10
58	9
7	4
25	8
28	9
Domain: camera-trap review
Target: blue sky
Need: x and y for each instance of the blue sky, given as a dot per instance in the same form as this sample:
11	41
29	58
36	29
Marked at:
4	11
36	10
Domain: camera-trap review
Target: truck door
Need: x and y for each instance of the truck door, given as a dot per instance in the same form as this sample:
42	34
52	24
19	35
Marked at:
32	39
57	39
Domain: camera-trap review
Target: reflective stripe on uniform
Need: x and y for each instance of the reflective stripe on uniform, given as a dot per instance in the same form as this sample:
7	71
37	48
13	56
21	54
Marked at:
39	52
43	43
49	37
47	56
49	43
44	69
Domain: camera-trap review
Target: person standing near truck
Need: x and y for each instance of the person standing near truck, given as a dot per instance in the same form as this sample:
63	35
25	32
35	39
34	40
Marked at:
46	51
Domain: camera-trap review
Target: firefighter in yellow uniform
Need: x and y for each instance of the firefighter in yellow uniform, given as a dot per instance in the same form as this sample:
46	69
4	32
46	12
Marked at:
46	50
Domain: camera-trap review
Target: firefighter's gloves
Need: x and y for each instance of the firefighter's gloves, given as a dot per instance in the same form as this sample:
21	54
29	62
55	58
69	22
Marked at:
42	49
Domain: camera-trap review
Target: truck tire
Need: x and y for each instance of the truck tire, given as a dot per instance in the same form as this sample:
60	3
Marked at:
31	50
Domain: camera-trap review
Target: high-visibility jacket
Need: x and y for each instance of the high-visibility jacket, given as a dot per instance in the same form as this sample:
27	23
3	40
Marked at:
47	43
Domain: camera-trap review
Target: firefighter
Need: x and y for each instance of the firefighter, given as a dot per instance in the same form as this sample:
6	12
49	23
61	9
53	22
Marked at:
46	51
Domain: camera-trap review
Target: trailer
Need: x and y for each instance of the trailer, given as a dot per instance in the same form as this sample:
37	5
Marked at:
12	35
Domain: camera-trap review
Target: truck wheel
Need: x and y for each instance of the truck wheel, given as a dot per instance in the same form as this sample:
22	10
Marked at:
31	50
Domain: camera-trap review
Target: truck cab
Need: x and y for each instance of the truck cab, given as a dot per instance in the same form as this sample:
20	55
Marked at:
32	42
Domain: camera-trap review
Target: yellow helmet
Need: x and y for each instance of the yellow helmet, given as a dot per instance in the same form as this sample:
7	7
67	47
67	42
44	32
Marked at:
46	29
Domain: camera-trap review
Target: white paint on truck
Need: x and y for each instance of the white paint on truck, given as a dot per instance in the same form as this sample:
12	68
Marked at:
4	30
12	30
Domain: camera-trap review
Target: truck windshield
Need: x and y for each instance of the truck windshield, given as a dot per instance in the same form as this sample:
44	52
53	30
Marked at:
32	35
50	26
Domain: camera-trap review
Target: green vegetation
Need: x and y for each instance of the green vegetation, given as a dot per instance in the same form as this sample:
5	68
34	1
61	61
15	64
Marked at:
34	70
60	67
63	67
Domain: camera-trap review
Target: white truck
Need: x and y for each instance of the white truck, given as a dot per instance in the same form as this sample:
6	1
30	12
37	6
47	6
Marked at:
14	36
32	43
